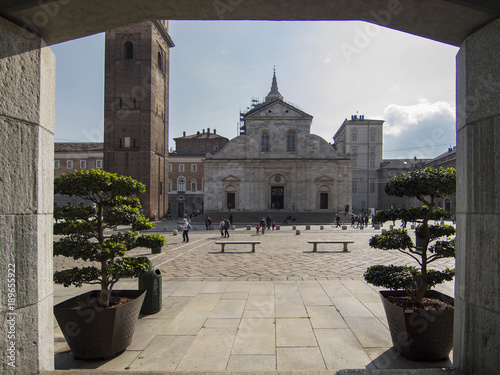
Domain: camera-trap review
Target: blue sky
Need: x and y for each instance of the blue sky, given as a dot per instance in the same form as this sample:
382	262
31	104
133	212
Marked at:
331	70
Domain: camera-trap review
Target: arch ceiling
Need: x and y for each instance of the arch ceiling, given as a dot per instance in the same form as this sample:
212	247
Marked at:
447	21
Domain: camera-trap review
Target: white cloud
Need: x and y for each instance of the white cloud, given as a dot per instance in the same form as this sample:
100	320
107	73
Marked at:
424	130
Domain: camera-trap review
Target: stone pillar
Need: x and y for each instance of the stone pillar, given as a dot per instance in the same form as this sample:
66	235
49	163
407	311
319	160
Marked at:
27	97
477	283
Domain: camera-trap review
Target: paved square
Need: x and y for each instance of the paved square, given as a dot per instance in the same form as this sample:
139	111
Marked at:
280	308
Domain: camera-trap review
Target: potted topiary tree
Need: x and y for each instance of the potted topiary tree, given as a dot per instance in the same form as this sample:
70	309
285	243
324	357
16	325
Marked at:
420	320
99	324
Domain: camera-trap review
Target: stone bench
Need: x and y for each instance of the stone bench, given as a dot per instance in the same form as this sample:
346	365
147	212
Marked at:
224	243
316	242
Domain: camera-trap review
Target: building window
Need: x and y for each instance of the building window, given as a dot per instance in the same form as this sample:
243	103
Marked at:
290	141
181	167
372	150
372	186
98	164
354	135
216	148
128	52
57	165
160	65
126	141
265	142
170	167
189	148
372	162
169	186
355	161
181	184
83	164
354	187
372	135
193	186
202	148
193	167
69	164
354	149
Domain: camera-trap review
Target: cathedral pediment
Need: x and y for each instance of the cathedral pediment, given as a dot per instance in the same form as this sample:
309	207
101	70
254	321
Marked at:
231	179
324	179
276	109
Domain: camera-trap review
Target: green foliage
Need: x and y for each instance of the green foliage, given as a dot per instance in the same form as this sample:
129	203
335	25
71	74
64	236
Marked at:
86	230
391	277
434	241
411	214
392	240
436	182
405	277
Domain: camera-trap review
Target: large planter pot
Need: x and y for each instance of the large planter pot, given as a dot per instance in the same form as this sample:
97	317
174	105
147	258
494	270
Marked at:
99	333
420	335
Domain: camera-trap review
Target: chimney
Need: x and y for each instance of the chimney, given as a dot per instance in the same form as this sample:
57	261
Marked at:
198	133
203	131
208	132
183	134
215	131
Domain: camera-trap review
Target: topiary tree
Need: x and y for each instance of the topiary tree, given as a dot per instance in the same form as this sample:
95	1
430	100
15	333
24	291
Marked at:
433	242
83	229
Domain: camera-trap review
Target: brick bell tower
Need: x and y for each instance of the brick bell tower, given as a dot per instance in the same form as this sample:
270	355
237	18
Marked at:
136	109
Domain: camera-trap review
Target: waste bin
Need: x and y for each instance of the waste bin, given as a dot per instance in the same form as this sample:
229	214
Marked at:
151	283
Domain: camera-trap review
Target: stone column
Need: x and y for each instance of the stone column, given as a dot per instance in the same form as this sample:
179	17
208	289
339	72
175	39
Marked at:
477	285
27	96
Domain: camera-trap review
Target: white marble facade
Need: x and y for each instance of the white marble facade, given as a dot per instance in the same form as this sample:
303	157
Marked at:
277	163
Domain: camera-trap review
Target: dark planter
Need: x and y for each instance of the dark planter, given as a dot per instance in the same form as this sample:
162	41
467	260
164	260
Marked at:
420	335
102	333
156	250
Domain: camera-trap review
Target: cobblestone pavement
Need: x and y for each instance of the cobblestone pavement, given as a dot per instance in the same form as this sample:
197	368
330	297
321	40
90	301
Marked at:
282	255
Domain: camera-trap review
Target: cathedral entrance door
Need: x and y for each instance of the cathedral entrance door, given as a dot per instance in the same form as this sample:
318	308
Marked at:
323	201
231	200
277	197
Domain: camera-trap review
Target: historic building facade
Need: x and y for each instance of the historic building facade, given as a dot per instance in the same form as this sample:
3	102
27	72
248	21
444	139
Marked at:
69	157
186	171
136	109
276	163
362	140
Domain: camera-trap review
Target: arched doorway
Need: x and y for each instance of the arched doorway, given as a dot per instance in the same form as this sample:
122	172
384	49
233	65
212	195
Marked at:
230	201
277	186
324	197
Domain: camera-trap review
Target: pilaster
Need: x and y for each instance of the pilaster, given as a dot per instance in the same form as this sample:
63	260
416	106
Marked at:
27	92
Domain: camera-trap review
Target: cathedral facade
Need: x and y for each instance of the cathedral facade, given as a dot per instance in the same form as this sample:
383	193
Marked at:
276	163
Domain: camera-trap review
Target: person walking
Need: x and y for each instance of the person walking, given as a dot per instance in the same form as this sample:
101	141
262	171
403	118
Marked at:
221	227
226	228
186	226
337	219
263	224
268	221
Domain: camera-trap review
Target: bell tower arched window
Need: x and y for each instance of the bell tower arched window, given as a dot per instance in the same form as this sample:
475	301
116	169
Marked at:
128	50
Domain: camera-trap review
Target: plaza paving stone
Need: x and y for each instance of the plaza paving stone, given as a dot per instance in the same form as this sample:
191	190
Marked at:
280	308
